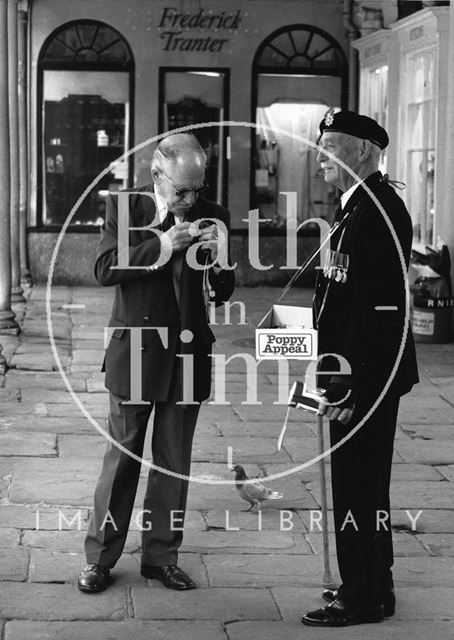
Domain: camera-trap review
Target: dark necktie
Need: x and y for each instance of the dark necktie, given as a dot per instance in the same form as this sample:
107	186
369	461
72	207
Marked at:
177	259
168	221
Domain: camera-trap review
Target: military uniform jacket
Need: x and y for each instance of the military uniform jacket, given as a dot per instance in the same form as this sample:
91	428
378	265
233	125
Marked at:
146	298
369	262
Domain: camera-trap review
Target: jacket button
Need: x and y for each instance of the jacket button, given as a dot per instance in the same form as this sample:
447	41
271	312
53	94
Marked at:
147	318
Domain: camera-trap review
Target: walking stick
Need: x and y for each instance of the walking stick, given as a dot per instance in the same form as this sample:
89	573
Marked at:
328	581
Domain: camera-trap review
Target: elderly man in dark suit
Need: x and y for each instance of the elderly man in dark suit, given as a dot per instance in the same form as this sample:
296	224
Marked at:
163	284
360	312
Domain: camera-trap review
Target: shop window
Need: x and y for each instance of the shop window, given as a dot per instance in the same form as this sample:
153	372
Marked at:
299	72
374	100
194	96
420	146
85	95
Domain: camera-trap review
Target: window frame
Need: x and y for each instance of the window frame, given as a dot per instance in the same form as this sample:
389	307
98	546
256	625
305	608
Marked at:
257	69
225	71
75	65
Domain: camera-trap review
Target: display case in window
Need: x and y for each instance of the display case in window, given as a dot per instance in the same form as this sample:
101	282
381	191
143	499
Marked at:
83	135
195	96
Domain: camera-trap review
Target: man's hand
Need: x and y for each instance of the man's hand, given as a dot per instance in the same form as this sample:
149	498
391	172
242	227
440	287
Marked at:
337	403
213	241
179	236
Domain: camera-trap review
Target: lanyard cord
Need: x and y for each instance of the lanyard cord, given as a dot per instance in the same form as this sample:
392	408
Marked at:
303	267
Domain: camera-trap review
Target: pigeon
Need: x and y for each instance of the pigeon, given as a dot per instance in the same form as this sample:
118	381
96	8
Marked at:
253	492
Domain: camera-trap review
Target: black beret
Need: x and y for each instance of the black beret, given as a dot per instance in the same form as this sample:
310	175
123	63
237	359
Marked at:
355	125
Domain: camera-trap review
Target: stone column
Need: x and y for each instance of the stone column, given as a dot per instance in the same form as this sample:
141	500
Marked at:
445	222
8	323
23	148
16	289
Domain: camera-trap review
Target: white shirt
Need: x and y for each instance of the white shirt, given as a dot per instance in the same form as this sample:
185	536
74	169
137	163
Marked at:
345	197
161	206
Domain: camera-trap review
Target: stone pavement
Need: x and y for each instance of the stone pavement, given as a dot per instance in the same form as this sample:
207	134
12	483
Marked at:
256	577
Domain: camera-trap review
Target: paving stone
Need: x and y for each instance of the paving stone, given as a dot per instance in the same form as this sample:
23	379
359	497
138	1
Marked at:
27	443
42	518
416	401
132	630
70	409
232	541
425	451
60	602
404	544
95	386
263	412
429	431
193	521
5	484
205	497
438	544
35	482
387	630
415	472
424	571
13	565
426	520
263	429
192	563
263	570
65	566
69	540
244	450
223	604
417	494
447	471
217	414
32	423
270	520
412	604
88	356
423	415
33	395
9	537
73	446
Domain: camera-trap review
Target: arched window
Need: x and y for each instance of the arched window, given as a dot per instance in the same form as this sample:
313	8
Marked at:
298	72
85	94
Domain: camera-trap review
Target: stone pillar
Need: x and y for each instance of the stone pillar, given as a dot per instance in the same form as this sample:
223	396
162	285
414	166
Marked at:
23	148
16	289
445	218
8	323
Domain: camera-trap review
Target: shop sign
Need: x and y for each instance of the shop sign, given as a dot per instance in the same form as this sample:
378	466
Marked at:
175	24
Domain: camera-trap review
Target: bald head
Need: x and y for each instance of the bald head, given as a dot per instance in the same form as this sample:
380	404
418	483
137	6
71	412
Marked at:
178	167
178	149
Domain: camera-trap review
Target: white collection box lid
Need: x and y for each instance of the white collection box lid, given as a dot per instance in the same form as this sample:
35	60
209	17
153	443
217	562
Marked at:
286	333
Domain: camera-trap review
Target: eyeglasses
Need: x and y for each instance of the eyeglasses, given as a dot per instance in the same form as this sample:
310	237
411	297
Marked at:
181	193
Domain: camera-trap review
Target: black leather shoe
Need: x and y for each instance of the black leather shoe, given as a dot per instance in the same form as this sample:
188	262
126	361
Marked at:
93	578
340	614
170	575
389	600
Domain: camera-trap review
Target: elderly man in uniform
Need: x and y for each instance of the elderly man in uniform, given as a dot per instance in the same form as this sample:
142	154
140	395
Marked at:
361	316
164	291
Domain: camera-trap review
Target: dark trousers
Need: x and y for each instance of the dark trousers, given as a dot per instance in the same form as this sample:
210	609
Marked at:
173	430
361	472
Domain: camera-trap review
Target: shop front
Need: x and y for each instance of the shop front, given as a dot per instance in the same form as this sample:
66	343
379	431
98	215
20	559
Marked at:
108	76
405	85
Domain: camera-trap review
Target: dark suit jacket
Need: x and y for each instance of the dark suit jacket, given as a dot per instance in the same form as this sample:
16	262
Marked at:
349	325
145	298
